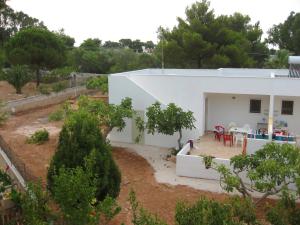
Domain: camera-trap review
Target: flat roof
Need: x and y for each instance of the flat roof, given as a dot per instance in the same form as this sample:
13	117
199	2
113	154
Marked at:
230	72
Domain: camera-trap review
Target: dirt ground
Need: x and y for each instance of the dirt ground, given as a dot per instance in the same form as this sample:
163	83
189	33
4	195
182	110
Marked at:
137	174
8	93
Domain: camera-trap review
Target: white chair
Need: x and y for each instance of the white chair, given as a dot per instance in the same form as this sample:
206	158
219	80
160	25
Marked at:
231	124
239	138
247	127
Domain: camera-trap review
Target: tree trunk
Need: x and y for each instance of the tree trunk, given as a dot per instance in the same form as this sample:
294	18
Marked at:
38	77
179	140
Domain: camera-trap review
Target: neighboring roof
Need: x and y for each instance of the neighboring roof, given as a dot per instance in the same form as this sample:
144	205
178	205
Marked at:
230	72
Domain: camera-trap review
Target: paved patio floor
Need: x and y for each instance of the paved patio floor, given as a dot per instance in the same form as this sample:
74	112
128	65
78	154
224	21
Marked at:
207	145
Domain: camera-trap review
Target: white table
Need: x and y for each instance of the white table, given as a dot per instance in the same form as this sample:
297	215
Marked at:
239	130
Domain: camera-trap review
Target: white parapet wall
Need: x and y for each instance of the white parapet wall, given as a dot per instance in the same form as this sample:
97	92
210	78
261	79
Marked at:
254	145
193	166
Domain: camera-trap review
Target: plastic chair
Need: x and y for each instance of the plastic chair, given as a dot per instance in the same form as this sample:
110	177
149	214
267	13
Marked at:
239	138
219	132
231	124
228	138
247	127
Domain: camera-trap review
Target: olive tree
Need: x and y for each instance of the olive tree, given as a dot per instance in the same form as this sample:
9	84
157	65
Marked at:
37	48
168	121
18	76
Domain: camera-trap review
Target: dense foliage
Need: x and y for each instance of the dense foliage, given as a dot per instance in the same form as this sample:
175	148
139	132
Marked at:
269	170
99	83
168	121
34	204
109	116
11	22
209	212
18	76
74	191
37	48
286	35
204	40
79	136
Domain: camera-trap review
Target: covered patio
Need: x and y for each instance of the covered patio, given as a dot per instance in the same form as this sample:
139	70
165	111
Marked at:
208	146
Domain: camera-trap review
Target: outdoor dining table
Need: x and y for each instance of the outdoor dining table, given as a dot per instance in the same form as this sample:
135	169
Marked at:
239	130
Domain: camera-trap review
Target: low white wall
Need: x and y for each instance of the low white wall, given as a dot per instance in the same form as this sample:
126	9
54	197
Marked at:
193	166
254	145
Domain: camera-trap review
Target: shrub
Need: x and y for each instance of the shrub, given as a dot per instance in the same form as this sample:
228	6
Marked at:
74	191
108	209
3	113
44	89
285	212
56	116
5	181
79	136
59	86
18	76
99	83
140	216
34	205
209	212
39	137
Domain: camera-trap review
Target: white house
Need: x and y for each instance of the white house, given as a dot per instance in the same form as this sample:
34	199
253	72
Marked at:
258	97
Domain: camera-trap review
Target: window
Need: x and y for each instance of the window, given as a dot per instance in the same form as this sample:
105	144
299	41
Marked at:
255	106
287	107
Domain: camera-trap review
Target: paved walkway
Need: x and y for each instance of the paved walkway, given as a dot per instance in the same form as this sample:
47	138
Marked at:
165	171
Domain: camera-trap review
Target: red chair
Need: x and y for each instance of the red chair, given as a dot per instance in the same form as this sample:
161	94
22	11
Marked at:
228	137
219	132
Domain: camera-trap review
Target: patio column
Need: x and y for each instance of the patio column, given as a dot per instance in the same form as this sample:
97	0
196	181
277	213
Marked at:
271	114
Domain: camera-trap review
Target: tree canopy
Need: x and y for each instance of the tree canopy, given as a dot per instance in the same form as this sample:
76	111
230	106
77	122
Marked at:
286	35
37	48
11	22
168	121
204	40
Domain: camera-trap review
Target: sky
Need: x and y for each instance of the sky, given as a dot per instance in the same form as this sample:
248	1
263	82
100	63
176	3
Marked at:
139	19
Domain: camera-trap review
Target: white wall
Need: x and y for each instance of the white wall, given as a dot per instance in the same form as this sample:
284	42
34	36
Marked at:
193	166
121	87
188	92
226	108
254	145
292	120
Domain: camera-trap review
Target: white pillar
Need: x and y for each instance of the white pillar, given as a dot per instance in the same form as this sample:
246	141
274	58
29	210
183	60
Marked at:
271	114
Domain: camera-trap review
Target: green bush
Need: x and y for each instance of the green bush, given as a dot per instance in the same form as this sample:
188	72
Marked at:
57	75
56	116
5	181
108	209
209	212
44	89
18	76
286	211
39	137
59	86
74	191
140	216
3	113
34	204
78	137
99	83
